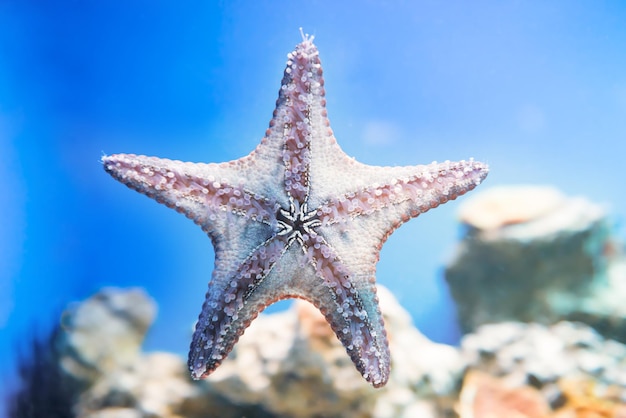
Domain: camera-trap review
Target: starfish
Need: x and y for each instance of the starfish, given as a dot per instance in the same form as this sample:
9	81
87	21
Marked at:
296	218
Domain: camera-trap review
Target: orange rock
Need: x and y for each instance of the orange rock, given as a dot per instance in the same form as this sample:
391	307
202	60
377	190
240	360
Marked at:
586	399
313	323
484	396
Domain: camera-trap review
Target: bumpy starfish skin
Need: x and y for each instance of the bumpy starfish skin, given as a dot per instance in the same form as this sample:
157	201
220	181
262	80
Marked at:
296	218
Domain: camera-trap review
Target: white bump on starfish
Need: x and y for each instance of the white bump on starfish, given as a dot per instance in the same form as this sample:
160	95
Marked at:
296	218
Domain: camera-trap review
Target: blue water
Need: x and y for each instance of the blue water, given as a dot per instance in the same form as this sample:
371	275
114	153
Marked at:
536	90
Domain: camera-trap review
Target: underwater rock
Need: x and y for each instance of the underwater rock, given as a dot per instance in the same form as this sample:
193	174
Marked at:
288	364
543	357
529	370
155	385
99	347
484	396
104	333
532	254
585	399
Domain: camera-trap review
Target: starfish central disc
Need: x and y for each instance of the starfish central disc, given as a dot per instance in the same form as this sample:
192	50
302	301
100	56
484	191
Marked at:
296	222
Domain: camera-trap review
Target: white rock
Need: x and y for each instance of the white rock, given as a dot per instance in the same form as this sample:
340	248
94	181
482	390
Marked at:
105	332
532	254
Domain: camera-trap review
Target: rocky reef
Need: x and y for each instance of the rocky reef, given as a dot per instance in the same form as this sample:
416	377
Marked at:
533	254
537	279
290	364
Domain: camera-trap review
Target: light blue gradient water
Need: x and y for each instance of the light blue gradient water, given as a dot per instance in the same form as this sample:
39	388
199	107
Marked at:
537	90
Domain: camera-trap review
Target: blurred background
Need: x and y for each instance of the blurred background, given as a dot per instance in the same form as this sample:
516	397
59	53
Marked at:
535	89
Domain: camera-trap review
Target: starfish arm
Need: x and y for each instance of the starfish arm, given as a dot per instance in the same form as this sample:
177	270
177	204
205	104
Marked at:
228	309
301	88
300	103
199	191
348	301
359	222
417	190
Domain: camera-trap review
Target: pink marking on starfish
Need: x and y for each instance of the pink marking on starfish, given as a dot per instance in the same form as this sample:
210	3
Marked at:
430	187
296	218
225	301
300	85
188	189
